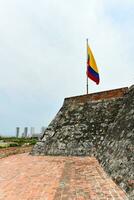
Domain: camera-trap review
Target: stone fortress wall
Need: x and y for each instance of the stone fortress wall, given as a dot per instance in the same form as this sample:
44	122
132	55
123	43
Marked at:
100	125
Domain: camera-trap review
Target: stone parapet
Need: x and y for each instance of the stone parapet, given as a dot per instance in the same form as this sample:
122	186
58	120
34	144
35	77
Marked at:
109	94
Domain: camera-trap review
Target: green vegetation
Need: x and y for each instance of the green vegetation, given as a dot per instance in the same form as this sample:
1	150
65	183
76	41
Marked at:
14	142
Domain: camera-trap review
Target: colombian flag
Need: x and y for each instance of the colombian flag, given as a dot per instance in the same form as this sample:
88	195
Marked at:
92	70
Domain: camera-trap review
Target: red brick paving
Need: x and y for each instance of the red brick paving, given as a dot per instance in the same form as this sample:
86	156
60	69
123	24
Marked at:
25	177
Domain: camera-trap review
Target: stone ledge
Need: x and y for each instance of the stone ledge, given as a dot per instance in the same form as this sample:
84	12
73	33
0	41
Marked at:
115	93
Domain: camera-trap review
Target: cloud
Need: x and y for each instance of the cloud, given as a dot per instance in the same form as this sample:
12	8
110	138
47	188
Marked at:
43	54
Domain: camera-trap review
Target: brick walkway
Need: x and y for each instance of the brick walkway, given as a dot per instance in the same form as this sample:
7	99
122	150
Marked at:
25	177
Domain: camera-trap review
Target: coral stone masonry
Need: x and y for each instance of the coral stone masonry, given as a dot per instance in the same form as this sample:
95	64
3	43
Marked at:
100	125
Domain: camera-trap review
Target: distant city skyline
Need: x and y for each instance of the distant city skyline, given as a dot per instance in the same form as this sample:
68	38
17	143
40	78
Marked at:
43	55
21	130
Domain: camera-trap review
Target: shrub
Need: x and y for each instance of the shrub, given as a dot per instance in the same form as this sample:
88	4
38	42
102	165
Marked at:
14	145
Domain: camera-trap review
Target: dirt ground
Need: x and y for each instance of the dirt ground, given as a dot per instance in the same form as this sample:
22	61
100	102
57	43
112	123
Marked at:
4	152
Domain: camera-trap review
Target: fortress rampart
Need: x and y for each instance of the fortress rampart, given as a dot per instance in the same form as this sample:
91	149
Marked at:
100	125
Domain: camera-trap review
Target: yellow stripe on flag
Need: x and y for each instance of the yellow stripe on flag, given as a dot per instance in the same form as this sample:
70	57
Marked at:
92	60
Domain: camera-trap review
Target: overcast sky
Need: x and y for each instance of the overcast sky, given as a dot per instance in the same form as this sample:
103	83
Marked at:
43	54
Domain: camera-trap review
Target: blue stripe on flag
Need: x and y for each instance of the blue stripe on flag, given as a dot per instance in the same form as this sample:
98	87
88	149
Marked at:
90	70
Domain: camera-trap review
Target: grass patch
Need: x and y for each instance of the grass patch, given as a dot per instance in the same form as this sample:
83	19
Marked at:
14	142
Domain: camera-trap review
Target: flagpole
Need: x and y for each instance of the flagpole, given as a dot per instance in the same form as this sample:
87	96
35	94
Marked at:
86	67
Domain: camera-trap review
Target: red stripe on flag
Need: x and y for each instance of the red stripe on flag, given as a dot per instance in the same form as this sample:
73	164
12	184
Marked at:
93	78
